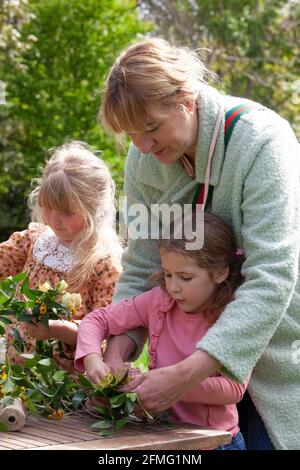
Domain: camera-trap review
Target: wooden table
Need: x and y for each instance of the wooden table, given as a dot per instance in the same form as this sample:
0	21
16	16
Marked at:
74	433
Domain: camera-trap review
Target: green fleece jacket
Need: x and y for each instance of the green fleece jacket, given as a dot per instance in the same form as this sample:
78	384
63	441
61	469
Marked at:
257	191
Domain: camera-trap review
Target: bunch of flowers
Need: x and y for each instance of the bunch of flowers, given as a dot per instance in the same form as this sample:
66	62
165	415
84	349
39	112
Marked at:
114	407
43	388
19	301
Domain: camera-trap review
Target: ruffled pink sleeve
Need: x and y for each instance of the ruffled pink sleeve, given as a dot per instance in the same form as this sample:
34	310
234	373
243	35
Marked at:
112	320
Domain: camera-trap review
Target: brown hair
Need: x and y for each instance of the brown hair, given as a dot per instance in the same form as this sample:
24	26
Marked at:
145	80
219	251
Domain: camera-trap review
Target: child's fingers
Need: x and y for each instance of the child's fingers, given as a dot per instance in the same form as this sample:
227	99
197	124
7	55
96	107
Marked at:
95	375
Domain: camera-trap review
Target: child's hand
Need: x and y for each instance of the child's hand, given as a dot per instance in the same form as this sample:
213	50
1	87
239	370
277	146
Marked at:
95	367
37	330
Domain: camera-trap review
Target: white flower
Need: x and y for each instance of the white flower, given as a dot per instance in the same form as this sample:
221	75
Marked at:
61	286
71	301
45	287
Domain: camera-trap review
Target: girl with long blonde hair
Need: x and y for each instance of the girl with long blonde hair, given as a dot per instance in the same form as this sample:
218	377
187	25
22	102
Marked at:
72	237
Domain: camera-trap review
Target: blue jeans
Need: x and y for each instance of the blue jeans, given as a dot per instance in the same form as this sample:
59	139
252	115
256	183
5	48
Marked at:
252	426
237	443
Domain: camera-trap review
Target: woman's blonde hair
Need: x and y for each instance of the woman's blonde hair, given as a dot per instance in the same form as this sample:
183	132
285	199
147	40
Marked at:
76	180
145	80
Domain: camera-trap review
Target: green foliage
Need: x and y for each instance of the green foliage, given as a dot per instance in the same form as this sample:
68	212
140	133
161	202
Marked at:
50	392
42	387
253	45
18	300
54	56
113	406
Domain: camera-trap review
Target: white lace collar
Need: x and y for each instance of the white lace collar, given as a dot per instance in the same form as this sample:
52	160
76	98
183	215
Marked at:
48	250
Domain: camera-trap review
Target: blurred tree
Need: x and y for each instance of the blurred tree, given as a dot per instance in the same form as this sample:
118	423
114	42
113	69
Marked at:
54	55
253	45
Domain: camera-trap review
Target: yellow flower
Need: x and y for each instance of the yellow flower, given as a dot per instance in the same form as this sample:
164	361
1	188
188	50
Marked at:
73	311
24	401
44	287
3	368
58	414
3	376
38	301
43	309
105	382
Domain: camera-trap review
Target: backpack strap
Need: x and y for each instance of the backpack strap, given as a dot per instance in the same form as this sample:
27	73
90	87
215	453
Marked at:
231	118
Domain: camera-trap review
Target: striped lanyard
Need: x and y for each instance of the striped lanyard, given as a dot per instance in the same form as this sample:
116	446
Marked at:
204	190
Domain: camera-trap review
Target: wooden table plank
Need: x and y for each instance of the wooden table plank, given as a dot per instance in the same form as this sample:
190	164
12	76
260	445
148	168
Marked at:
73	433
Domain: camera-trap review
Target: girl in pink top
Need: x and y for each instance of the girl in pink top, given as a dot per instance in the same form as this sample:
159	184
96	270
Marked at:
195	286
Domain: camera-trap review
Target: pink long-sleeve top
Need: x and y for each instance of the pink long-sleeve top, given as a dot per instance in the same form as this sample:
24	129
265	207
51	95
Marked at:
173	335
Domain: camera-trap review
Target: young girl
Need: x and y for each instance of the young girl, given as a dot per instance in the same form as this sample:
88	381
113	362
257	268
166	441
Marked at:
73	240
196	285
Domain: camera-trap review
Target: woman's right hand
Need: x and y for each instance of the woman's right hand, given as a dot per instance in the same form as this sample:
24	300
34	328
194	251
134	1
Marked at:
95	367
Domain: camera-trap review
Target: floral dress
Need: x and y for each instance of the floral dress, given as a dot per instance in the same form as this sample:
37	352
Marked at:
38	251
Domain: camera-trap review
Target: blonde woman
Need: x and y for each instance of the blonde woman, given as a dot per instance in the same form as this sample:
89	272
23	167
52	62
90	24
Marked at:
190	143
72	238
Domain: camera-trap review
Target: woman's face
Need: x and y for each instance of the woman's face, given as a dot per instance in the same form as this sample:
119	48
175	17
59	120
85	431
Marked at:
171	136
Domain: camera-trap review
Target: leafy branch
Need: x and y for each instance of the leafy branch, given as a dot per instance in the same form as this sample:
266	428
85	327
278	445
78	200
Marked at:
23	303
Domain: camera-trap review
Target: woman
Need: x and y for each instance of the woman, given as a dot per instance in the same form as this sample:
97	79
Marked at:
157	95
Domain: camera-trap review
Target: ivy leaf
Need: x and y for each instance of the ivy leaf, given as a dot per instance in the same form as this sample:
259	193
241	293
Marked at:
20	277
3	427
102	410
78	398
17	336
119	424
45	320
132	396
30	360
35	395
5	320
45	362
9	386
24	317
84	381
31	406
103	424
30	293
118	400
106	433
59	376
129	407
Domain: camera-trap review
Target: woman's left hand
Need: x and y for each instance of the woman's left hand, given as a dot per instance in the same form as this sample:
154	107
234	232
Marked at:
38	330
159	389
